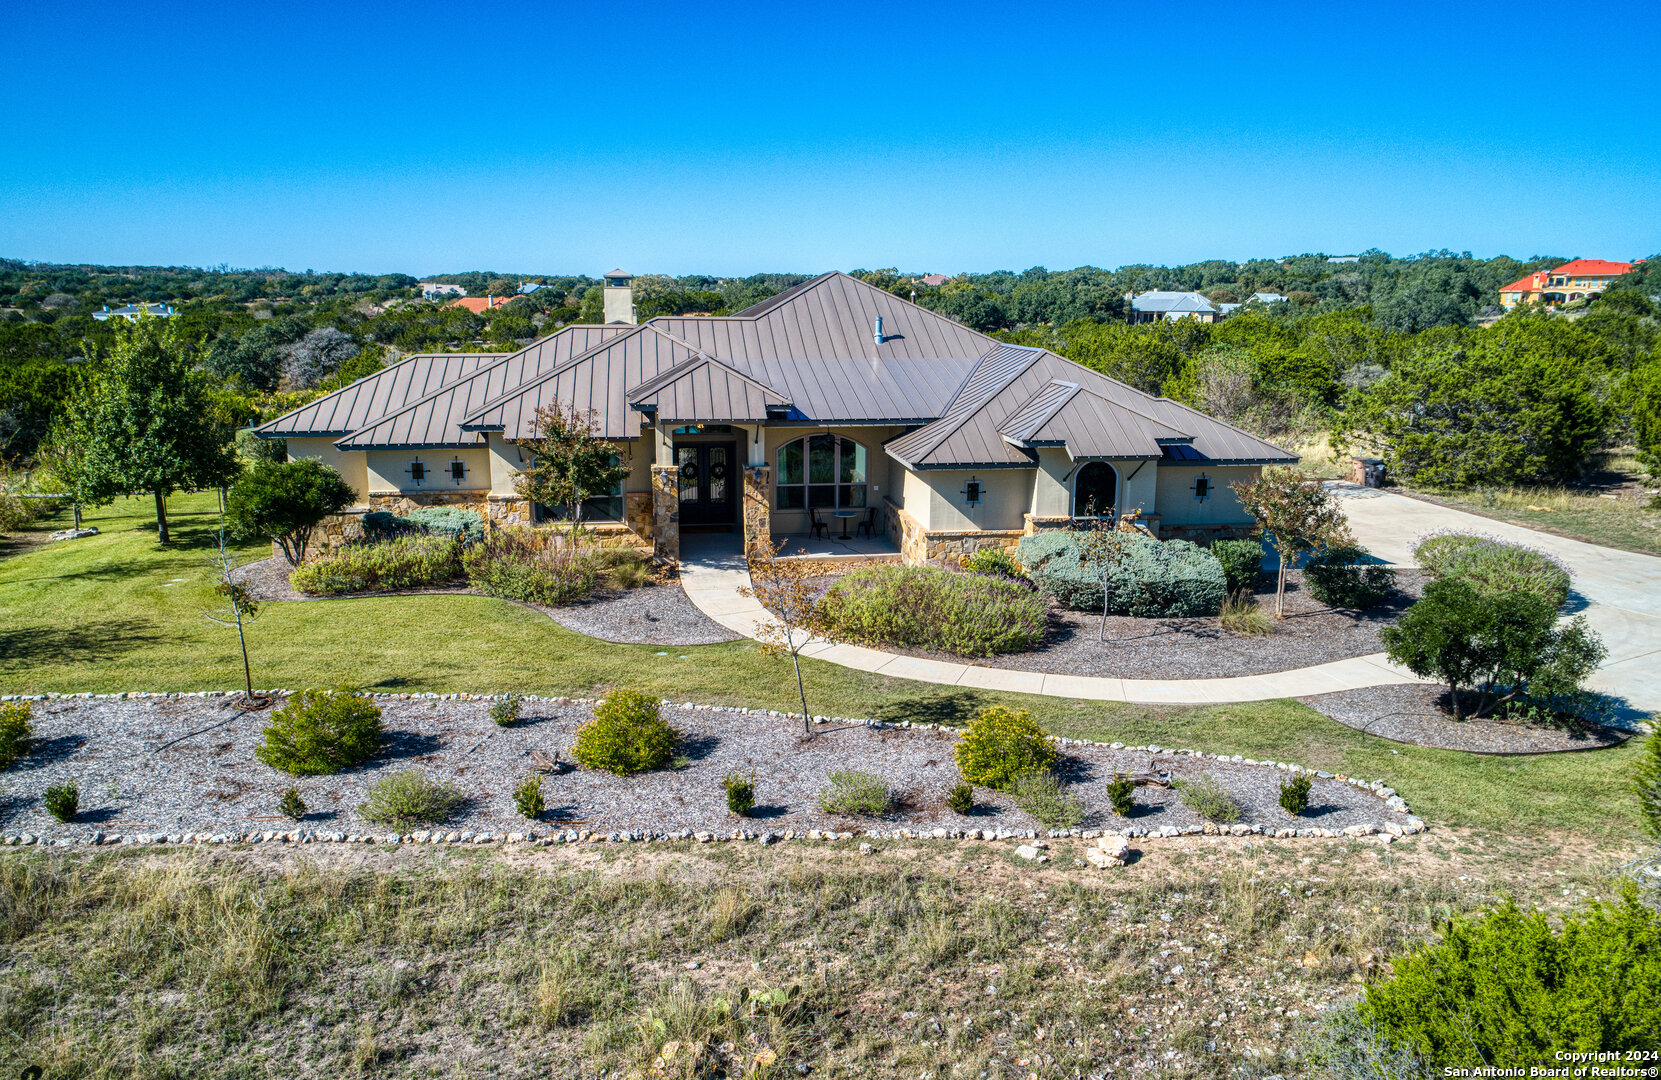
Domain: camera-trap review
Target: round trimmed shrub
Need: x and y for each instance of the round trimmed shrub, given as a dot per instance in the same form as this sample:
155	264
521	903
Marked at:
410	797
1154	579
626	736
321	731
931	608
15	732
1241	560
1341	578
1491	565
1000	745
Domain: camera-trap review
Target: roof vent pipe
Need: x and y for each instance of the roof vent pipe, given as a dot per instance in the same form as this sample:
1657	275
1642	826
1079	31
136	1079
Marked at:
876	333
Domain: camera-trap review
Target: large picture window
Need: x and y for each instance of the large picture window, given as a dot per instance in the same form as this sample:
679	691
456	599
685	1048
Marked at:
1095	490
822	472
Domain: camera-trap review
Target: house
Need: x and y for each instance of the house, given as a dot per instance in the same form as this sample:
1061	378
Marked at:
432	290
1160	304
1579	279
832	396
478	305
131	312
1265	298
934	281
1343	258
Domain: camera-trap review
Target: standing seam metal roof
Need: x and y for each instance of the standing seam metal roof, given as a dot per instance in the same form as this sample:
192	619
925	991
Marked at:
372	396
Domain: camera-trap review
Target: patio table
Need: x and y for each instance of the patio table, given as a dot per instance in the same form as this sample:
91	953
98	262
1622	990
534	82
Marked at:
846	516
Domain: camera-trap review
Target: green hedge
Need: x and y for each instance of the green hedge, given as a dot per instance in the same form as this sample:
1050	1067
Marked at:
931	608
1241	560
521	564
451	521
1154	579
408	562
1342	578
1492	565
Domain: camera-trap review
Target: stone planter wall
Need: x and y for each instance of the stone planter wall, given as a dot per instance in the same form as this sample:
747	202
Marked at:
666	515
757	523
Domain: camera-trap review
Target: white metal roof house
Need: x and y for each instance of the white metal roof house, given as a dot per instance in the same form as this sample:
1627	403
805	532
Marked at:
833	398
131	312
1162	304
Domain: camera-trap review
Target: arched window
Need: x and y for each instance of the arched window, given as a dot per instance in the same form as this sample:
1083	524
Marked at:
824	472
1095	490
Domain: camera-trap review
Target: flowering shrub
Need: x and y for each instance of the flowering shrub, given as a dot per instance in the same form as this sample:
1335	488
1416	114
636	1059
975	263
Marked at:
1491	565
521	564
1000	745
408	562
931	608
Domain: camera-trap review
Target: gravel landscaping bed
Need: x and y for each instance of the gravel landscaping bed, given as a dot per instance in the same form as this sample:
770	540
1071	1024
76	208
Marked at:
650	615
1199	648
130	784
1409	713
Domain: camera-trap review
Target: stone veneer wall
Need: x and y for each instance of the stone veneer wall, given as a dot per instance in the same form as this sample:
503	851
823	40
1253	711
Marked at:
919	547
666	515
757	523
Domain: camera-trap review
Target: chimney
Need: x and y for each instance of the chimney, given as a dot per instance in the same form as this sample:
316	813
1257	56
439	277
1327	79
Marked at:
876	331
619	297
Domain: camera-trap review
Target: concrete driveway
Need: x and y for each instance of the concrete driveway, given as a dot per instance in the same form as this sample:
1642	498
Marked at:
1619	592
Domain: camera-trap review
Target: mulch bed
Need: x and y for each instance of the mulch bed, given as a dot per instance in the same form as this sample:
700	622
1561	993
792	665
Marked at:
650	615
1199	648
1412	713
213	781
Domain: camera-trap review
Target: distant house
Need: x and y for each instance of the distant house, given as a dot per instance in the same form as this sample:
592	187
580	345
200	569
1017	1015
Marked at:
479	304
1343	258
934	281
132	311
432	290
1171	306
528	287
1579	279
1266	297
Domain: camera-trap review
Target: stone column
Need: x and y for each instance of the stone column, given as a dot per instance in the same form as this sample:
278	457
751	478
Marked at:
666	515
758	528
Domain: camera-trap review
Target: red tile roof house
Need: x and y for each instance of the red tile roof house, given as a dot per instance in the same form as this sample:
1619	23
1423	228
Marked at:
480	304
1580	279
833	395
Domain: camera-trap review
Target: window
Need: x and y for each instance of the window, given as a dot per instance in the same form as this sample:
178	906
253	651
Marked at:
458	470
1202	487
594	508
1095	490
821	472
417	471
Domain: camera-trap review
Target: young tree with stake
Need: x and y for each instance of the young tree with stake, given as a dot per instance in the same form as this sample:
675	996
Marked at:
240	607
569	462
1299	516
784	588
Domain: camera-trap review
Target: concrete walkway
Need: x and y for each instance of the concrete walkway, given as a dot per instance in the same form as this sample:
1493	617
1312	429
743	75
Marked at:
713	570
1619	592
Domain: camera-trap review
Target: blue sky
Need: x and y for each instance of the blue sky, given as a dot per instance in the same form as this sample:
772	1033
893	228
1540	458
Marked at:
743	138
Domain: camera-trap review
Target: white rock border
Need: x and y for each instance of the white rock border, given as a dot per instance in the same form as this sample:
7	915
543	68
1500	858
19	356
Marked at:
1390	832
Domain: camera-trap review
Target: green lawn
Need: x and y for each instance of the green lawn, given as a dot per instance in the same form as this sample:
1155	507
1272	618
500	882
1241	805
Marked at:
119	612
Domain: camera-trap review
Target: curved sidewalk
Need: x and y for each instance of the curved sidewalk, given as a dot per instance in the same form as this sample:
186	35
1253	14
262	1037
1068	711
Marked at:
713	573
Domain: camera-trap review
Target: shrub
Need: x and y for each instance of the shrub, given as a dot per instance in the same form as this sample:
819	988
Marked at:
15	513
1241	560
1507	990
527	797
448	521
1242	614
1341	578
1492	565
285	501
1041	794
995	561
520	564
1152	579
63	801
408	562
291	805
853	792
626	735
410	798
506	711
1121	792
741	793
15	732
961	799
1001	744
626	568
1206	797
931	608
1294	794
1647	784
321	731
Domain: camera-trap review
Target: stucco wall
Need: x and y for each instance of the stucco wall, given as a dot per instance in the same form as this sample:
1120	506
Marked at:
389	470
935	498
350	464
884	473
1138	487
1176	504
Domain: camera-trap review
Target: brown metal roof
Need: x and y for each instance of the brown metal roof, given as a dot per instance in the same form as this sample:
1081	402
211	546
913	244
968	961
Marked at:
350	407
1087	424
706	391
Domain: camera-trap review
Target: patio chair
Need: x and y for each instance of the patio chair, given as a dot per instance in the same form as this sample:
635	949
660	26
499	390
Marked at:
869	525
819	527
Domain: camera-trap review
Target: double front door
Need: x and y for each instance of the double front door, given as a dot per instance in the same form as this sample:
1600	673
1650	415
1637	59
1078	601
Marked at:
708	482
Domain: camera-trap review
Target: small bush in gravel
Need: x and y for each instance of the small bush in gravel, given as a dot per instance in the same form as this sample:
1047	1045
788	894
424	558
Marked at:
961	799
626	568
291	805
1001	744
1121	792
321	731
521	564
1242	614
408	562
15	732
1294	794
1242	562
63	801
853	792
995	561
1041	794
1152	578
931	608
626	735
1491	565
741	793
410	798
506	711
527	797
1341	578
1207	798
